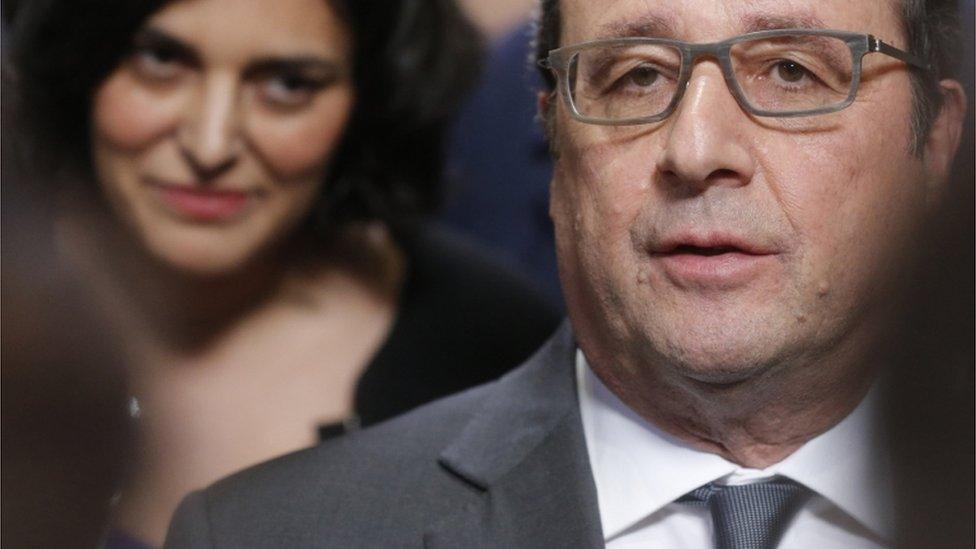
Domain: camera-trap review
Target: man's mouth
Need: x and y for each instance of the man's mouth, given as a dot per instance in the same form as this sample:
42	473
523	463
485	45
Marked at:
711	261
709	244
707	251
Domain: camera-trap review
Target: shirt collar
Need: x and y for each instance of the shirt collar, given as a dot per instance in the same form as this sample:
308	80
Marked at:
848	466
638	469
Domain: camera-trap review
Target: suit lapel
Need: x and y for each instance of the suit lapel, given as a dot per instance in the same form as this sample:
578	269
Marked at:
525	451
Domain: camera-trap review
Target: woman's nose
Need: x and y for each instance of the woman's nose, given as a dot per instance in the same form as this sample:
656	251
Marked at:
210	134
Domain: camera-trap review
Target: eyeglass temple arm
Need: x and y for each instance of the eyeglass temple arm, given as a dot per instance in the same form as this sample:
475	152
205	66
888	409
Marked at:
876	44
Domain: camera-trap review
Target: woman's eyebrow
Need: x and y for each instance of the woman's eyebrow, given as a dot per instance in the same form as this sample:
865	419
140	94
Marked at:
303	63
152	37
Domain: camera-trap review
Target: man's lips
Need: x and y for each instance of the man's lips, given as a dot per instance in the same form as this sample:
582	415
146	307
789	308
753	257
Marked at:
709	244
711	260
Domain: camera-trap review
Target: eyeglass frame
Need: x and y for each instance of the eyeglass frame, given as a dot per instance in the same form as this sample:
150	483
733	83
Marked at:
559	59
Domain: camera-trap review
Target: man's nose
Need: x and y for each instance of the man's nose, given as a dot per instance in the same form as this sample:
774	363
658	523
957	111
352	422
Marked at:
706	140
210	134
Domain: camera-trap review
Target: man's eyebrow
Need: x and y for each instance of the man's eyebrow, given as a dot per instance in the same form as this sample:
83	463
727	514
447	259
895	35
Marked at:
662	26
761	22
649	25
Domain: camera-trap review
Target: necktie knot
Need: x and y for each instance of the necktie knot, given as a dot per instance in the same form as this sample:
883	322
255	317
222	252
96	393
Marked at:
750	516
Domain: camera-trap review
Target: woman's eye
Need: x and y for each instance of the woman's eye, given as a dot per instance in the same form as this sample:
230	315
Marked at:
289	90
156	63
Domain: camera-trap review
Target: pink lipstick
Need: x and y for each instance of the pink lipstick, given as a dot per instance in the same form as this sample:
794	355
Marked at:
203	204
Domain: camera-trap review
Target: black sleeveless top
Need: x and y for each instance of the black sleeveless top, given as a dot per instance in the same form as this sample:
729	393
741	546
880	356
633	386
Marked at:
463	319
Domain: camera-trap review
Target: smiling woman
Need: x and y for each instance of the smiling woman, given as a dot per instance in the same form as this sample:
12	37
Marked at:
255	177
211	142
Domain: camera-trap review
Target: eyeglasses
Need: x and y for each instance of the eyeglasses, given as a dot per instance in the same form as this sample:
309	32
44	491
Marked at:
776	73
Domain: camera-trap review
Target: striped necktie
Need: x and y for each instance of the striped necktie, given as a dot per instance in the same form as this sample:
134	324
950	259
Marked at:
750	516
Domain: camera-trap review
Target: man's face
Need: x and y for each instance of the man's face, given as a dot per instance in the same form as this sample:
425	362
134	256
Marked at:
720	244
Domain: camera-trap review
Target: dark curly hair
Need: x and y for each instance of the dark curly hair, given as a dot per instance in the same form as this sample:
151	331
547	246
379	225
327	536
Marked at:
413	62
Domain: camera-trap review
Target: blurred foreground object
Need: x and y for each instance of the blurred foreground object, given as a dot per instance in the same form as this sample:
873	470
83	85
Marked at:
933	353
64	421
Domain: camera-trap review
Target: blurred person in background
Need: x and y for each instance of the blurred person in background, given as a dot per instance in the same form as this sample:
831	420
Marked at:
497	18
497	161
258	175
498	165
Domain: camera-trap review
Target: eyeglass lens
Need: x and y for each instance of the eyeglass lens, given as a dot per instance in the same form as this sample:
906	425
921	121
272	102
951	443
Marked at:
781	74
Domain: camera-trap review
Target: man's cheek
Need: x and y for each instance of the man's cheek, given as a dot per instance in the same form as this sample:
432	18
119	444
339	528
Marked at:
614	188
818	179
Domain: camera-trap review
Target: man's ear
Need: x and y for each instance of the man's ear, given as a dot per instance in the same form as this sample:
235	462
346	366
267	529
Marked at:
547	115
943	138
542	103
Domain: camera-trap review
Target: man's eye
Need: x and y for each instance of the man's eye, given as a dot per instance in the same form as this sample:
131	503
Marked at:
289	90
156	63
790	71
643	76
637	80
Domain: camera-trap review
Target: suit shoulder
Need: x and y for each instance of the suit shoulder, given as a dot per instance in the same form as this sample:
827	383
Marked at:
418	435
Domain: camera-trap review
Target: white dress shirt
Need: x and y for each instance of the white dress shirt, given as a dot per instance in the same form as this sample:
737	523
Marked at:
640	471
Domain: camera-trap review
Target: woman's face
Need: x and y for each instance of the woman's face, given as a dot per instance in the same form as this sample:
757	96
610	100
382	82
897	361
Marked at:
212	139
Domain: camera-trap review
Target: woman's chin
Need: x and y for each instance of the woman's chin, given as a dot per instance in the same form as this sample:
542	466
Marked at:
202	262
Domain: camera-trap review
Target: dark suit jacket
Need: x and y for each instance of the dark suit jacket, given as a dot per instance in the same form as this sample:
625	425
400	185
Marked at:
501	465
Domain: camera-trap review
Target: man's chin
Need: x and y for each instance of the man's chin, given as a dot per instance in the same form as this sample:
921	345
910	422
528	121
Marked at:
723	349
724	375
721	368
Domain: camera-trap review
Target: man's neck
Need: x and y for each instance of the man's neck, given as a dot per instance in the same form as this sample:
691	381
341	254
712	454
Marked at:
756	422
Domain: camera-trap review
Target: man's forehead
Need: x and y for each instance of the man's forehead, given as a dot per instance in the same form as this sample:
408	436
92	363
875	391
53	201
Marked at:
712	20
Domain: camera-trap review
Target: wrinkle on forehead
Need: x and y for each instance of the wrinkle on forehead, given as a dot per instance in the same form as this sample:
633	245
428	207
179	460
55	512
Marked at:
648	24
715	20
